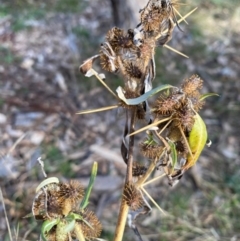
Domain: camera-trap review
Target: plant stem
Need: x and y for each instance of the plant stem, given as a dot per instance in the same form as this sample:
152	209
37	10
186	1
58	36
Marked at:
123	212
122	218
131	146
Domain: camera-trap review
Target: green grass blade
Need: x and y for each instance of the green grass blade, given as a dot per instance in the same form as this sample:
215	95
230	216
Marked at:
85	202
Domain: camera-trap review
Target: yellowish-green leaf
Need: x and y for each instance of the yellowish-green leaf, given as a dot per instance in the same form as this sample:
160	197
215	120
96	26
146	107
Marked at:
207	95
197	140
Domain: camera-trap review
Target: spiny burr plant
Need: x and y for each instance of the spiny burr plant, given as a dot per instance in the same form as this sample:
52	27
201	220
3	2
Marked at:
175	132
62	208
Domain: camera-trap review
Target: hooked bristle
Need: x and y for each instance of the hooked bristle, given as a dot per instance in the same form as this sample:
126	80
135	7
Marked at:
132	70
151	20
184	118
118	39
47	204
90	226
138	169
151	151
191	85
132	196
73	190
110	65
70	195
168	105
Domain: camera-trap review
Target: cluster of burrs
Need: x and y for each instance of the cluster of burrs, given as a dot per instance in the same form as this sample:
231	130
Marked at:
131	53
176	134
61	207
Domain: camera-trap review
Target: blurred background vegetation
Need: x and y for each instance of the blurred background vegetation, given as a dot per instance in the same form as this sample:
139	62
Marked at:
42	44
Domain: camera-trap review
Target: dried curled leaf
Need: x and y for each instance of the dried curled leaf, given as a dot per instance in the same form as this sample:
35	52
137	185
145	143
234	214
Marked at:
46	182
87	65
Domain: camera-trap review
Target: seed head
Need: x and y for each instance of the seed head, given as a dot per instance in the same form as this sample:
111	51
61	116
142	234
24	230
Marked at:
118	39
151	19
138	169
192	85
168	105
151	151
70	194
90	227
47	204
184	118
132	197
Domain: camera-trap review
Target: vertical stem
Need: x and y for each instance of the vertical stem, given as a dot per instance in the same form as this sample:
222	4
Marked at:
123	212
122	218
131	146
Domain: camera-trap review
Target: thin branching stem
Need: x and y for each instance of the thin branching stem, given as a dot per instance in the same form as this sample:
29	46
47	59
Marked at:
122	218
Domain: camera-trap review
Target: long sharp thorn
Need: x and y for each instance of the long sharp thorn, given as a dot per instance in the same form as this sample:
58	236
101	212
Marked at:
181	19
149	196
97	110
104	84
154	179
179	14
149	126
184	17
176	51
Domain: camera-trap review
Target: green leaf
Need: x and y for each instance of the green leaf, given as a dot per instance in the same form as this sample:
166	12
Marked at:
85	202
143	97
47	226
46	182
207	95
173	153
77	216
70	226
150	140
